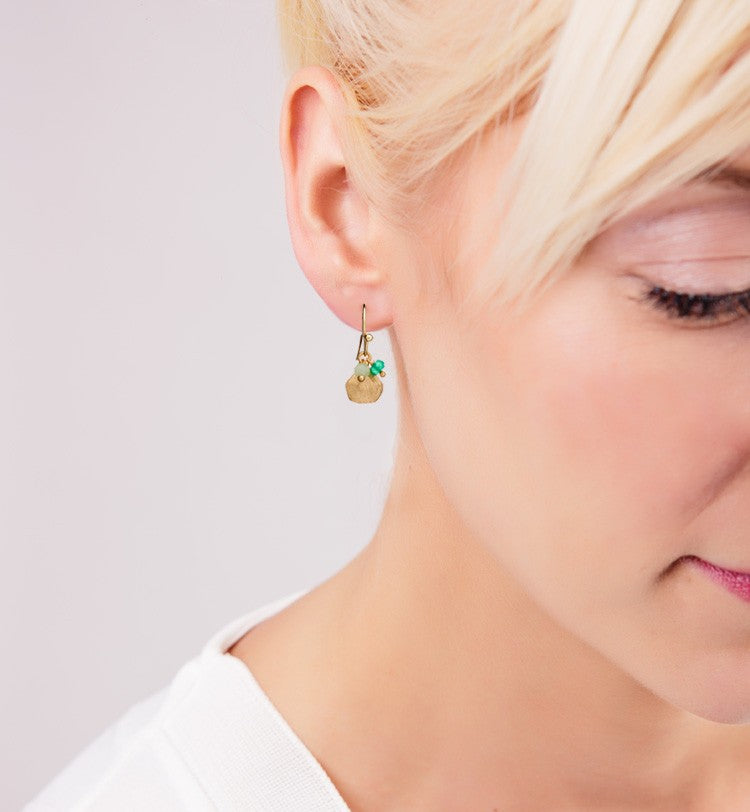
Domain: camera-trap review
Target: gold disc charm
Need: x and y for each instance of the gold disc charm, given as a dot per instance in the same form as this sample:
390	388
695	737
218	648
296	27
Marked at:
366	390
365	386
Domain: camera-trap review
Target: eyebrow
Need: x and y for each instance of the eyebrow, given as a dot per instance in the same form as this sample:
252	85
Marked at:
719	173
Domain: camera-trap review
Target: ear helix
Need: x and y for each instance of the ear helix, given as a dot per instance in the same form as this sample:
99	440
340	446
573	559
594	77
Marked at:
365	386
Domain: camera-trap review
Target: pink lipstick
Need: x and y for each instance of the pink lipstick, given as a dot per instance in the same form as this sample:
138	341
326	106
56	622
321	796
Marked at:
737	582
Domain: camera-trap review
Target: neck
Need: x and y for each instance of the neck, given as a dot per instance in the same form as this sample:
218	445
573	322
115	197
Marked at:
444	686
477	698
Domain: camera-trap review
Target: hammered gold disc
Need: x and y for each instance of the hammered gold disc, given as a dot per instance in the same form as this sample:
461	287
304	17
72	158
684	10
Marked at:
366	391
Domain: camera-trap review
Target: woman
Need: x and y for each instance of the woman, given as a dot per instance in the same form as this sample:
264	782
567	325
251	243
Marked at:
547	205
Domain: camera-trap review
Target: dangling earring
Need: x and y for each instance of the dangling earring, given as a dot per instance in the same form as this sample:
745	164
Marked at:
365	386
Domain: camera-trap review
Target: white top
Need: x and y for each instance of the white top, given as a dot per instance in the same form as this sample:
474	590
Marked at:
210	740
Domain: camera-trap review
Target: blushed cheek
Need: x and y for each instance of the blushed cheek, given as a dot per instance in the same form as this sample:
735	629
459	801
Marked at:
623	434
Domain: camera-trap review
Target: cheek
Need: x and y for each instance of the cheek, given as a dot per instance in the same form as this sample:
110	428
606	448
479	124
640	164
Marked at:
631	441
577	446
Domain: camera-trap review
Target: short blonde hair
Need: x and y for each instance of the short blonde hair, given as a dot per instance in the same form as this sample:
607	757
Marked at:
625	98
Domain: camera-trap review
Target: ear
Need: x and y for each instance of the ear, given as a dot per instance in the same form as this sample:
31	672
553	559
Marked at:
333	231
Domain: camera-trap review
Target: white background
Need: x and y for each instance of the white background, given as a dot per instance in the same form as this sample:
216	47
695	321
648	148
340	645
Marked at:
176	444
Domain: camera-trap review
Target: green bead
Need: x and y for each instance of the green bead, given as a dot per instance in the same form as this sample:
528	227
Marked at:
361	369
377	366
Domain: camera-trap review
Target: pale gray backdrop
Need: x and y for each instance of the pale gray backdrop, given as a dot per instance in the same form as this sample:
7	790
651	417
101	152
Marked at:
160	472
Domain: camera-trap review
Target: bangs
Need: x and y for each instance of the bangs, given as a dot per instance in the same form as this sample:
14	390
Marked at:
640	97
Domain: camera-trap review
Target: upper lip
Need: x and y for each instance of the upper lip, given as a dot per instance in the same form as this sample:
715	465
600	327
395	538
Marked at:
719	566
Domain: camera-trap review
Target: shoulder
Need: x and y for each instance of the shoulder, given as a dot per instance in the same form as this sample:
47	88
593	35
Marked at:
129	757
157	755
69	788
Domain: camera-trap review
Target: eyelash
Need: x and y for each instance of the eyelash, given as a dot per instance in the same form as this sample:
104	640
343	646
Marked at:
697	306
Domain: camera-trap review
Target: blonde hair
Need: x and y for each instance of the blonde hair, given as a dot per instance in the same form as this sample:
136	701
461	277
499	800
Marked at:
625	98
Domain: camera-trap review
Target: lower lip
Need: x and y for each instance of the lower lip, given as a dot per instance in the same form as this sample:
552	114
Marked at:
737	582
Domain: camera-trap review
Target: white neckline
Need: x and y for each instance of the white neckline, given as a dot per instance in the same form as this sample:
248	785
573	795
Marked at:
235	740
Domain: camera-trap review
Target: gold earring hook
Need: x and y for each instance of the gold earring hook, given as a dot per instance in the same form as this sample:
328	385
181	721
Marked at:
364	339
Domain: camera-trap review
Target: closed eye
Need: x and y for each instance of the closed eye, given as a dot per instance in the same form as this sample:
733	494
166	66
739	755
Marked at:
696	306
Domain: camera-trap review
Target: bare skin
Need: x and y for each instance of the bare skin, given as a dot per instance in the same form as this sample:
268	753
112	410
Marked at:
514	636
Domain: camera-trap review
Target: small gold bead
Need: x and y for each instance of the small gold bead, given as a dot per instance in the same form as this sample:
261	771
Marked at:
382	373
360	377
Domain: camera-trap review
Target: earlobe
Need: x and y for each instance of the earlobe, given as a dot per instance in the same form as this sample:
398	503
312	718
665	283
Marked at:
329	220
